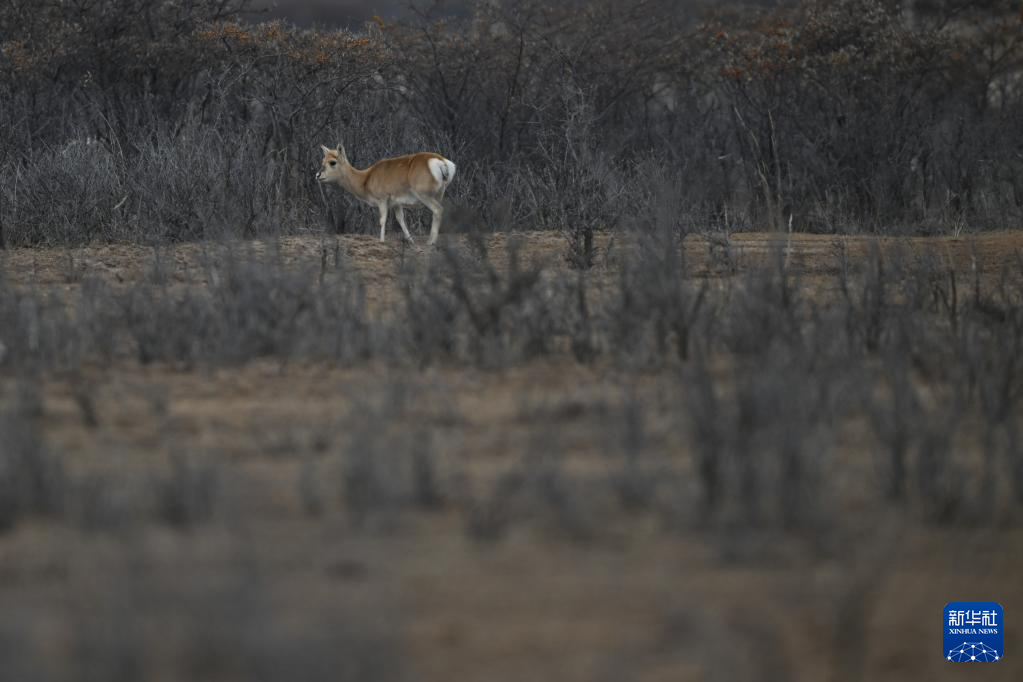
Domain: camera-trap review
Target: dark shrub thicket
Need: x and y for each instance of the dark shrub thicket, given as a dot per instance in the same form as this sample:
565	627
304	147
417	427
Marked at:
854	113
150	120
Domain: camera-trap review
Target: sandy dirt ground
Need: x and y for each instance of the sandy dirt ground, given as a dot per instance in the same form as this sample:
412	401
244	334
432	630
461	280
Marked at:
186	264
433	593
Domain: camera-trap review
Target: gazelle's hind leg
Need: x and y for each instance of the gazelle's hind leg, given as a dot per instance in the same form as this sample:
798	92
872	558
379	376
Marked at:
383	219
399	211
437	208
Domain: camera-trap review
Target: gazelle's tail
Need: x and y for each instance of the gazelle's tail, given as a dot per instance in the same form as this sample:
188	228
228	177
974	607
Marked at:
442	170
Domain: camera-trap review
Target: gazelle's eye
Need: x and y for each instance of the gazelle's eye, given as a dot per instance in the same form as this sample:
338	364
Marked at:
333	163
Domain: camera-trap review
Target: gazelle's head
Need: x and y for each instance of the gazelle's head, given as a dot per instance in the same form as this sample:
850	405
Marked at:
332	165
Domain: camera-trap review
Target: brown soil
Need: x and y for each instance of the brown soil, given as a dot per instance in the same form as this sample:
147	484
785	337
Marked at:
804	253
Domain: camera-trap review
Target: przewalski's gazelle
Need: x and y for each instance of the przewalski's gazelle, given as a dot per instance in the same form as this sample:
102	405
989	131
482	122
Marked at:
399	182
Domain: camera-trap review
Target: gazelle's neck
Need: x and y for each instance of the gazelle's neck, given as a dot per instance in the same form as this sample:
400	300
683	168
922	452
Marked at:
352	179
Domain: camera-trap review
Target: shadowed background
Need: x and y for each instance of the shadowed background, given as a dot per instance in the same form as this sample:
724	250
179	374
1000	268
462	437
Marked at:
351	13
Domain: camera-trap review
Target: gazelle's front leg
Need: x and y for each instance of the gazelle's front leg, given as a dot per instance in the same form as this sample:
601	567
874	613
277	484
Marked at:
383	219
399	211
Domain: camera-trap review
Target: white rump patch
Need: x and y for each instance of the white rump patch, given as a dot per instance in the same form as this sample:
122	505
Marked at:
442	170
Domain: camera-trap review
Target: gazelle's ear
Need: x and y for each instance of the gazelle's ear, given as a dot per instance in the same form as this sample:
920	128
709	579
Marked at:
324	148
341	151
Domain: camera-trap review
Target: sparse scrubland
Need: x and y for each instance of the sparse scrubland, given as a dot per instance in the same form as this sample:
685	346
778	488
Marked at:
715	373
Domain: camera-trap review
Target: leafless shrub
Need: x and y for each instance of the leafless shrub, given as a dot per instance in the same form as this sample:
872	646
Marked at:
310	489
105	502
660	306
536	491
635	483
466	306
386	471
764	448
427	488
895	421
32	479
187	495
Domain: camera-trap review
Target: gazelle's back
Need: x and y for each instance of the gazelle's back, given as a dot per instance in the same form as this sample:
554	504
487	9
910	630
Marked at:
424	173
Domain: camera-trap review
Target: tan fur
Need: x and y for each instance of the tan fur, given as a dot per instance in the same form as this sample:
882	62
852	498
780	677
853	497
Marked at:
398	182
